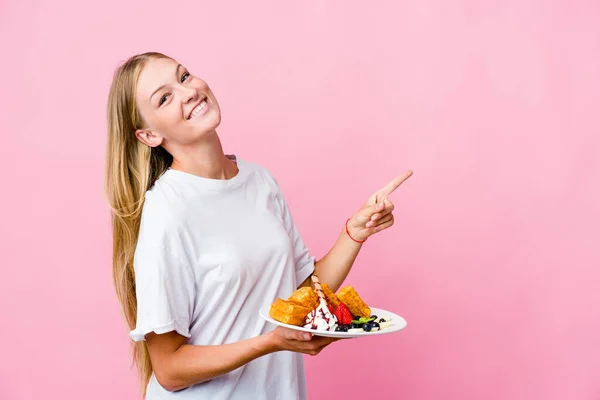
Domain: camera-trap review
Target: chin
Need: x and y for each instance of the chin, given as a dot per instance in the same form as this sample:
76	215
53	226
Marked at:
216	120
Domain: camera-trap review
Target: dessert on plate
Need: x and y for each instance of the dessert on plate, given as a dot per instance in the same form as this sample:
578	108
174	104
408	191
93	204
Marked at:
288	312
352	300
330	296
319	308
306	297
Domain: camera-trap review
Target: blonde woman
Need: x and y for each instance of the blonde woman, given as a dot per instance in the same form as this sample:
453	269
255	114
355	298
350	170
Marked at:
202	241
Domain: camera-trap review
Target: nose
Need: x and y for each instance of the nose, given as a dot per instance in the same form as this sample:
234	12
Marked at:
188	94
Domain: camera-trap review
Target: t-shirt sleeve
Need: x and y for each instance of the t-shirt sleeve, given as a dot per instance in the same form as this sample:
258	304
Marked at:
164	291
304	261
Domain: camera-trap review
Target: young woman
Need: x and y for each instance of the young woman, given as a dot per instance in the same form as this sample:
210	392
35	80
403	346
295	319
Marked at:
202	241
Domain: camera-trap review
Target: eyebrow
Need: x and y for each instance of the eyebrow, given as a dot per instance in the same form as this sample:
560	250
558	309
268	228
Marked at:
163	86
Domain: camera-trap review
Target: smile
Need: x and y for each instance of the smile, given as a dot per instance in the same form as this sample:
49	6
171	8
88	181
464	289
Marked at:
201	108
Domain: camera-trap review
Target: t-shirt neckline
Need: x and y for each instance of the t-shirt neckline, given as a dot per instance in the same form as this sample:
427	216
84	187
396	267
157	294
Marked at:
210	183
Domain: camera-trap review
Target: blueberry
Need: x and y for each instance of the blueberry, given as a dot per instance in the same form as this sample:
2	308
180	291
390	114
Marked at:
339	328
356	325
367	327
345	328
375	325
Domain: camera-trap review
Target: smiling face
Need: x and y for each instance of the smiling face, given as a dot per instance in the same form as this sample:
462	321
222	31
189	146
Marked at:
177	107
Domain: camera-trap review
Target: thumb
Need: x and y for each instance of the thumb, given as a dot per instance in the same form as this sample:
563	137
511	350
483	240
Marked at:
365	213
374	208
380	205
303	336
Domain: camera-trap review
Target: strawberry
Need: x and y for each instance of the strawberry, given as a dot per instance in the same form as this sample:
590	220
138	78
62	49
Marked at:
338	315
330	308
343	315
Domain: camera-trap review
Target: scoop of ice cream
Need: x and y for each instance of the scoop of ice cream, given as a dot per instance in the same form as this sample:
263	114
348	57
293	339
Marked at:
321	319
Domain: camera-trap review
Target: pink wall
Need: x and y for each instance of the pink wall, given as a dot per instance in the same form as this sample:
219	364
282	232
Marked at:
493	260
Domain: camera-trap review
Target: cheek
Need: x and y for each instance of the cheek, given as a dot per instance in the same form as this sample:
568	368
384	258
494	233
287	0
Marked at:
200	84
175	114
170	117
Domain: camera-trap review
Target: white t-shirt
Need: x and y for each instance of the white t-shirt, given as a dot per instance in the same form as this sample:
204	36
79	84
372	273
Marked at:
211	253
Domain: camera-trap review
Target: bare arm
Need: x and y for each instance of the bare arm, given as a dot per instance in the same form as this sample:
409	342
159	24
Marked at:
335	266
178	365
374	216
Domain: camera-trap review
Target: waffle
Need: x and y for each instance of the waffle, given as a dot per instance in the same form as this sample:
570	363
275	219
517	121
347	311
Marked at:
330	296
288	312
306	297
352	300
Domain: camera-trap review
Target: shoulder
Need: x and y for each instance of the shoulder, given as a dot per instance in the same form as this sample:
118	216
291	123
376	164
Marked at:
259	174
163	215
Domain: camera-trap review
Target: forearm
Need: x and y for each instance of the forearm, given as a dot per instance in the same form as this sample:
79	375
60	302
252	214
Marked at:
192	364
334	267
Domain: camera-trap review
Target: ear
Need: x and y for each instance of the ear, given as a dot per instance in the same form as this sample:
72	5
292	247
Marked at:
148	137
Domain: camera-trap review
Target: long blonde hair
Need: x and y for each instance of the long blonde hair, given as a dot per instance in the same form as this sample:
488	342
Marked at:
131	169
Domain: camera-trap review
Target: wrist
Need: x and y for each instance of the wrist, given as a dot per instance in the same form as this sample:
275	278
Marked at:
353	233
269	343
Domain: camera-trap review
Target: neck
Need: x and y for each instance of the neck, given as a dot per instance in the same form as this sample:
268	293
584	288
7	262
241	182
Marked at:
205	159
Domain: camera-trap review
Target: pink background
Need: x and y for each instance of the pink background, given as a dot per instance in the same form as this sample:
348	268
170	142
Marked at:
494	258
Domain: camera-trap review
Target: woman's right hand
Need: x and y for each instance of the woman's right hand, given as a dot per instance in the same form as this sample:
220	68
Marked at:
297	341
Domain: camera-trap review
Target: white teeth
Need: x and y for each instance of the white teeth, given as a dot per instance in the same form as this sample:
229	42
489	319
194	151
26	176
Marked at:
198	108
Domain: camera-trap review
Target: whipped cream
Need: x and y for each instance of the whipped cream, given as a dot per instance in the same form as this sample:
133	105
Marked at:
321	319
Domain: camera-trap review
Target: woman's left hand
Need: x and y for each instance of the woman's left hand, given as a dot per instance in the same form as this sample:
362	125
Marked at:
376	214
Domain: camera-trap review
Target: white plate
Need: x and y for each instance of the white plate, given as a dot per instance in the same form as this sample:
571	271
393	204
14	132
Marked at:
398	323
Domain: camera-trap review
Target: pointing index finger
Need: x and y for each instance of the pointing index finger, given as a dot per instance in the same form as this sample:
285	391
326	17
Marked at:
394	183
